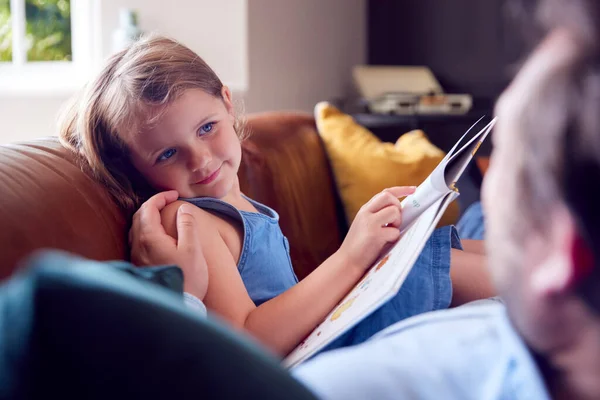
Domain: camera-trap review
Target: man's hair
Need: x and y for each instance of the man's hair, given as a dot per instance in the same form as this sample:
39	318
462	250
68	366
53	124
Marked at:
560	128
130	94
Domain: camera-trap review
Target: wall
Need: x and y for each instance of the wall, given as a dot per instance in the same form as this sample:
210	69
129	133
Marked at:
275	55
471	45
216	30
27	117
302	52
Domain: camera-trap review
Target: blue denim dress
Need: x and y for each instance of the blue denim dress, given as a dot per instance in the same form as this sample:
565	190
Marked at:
266	269
264	265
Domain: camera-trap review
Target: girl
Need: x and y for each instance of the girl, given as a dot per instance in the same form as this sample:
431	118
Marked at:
158	118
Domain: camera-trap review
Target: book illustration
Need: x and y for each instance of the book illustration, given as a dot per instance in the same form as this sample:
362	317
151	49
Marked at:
306	342
365	284
476	148
382	262
363	279
343	307
421	212
303	345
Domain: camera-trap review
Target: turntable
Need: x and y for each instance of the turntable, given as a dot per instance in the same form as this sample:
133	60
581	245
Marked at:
405	90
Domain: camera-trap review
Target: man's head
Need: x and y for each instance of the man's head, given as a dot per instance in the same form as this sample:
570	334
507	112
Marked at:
540	193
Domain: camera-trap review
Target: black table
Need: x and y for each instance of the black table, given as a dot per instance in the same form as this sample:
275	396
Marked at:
442	130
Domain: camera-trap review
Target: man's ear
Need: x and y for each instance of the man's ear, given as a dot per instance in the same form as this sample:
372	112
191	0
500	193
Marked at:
227	99
582	259
569	260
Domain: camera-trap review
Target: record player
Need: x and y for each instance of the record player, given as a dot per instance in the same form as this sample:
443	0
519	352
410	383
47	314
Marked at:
406	90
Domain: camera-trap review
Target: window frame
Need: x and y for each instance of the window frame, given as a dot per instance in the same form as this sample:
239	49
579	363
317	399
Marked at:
22	78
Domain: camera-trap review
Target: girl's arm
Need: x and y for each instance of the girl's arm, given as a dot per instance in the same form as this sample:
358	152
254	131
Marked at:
288	318
282	322
470	276
474	246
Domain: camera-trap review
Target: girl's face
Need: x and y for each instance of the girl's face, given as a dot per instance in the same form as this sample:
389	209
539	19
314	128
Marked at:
193	149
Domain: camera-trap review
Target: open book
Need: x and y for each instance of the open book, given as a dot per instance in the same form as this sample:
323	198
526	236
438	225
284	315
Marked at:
421	212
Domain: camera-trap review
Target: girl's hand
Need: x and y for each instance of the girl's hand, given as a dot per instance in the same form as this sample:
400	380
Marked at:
376	225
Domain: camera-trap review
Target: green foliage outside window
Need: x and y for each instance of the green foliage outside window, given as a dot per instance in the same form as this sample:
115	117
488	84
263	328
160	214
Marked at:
5	31
48	30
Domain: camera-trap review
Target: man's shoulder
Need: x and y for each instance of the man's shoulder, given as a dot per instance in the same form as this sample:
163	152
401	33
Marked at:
458	353
449	339
468	320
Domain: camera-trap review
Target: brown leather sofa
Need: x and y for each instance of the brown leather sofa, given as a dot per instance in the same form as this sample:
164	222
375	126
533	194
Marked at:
46	200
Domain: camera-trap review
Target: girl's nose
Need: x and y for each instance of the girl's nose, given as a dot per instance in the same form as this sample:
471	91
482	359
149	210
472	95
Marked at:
199	158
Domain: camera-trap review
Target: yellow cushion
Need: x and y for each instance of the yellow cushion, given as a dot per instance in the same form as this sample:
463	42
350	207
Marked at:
363	165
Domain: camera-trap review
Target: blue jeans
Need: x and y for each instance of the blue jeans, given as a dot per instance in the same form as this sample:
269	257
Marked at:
472	223
427	287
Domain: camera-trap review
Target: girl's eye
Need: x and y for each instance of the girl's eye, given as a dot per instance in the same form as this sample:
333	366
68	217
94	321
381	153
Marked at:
206	128
166	155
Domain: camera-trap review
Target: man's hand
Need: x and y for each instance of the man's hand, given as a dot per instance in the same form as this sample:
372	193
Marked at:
151	245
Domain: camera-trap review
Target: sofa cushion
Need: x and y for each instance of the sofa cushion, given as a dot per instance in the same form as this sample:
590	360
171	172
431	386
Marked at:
48	201
363	165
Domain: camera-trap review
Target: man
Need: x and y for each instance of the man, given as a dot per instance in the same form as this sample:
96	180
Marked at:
543	233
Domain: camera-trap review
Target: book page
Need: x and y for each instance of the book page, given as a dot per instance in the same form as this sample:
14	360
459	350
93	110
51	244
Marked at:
443	178
458	162
427	193
376	287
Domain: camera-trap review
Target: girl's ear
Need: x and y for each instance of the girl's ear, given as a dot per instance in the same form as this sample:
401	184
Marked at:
226	94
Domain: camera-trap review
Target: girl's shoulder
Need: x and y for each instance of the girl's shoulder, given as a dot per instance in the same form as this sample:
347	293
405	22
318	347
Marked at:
169	217
210	226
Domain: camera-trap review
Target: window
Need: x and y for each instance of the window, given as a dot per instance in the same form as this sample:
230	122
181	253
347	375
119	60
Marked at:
46	46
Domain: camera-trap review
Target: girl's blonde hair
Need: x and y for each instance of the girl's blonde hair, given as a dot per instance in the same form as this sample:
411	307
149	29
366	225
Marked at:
130	94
